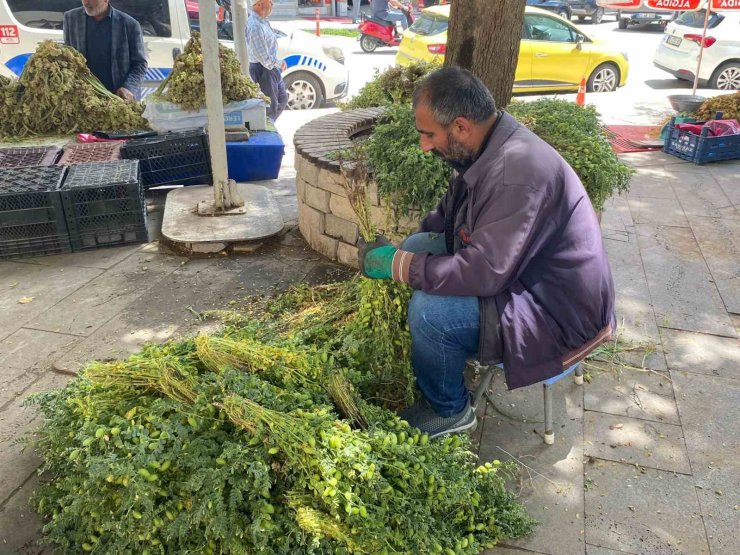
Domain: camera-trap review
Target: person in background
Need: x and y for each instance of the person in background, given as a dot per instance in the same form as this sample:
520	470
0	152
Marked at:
264	63
381	11
112	43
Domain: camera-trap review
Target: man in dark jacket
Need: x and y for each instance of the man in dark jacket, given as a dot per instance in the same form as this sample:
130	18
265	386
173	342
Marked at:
112	43
510	267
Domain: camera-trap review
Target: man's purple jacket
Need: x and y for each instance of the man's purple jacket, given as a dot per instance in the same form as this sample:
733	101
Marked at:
527	242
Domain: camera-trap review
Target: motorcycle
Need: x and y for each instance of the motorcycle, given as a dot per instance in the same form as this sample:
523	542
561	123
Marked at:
375	32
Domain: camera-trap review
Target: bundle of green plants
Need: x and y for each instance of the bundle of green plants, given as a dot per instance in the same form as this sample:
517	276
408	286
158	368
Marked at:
232	444
578	134
185	85
728	104
395	85
57	95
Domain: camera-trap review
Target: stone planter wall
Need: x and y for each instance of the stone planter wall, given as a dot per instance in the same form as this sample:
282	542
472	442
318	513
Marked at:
325	218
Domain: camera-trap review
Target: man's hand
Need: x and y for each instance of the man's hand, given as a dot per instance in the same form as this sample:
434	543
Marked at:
376	258
125	94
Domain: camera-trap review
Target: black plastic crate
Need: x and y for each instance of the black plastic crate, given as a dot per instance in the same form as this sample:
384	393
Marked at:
32	221
104	204
175	158
28	156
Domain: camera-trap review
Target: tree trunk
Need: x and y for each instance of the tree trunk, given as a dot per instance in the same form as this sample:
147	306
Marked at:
484	37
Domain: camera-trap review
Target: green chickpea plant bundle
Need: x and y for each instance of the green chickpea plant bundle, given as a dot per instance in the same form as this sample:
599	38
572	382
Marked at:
58	95
186	87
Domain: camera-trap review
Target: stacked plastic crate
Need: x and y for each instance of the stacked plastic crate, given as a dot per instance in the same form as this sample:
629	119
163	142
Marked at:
104	204
32	219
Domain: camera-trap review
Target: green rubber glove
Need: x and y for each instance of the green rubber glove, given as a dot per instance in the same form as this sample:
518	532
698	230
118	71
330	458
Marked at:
376	258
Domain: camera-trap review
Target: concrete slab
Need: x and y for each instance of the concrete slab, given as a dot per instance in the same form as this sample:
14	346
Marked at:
657	211
681	287
642	442
651	158
727	175
181	225
710	411
505	550
647	512
102	298
719	241
19	525
633	393
594	550
651	182
46	285
704	197
616	216
25	356
634	306
701	353
552	490
95	258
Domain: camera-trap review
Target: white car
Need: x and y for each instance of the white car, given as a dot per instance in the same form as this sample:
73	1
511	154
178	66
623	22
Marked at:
313	69
679	50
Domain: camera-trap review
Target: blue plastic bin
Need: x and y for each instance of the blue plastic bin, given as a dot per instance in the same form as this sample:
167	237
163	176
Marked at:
701	149
256	159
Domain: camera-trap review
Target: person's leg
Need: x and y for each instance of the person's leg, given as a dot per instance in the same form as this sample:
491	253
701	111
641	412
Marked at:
444	333
425	242
282	93
397	16
264	78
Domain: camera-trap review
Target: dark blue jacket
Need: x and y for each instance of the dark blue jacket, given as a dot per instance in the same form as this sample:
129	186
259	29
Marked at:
128	56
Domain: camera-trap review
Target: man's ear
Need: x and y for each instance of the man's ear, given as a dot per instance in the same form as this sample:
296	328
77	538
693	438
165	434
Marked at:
462	126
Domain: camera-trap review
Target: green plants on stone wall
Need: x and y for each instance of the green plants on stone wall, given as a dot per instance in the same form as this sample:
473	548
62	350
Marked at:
393	86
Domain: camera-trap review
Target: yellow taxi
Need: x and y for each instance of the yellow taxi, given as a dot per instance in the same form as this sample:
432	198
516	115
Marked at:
554	54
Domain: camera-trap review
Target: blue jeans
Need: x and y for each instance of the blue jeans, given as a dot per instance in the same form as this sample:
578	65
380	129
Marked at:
393	16
444	333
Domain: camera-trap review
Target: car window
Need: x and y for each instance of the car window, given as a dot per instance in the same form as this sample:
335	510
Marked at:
428	24
696	19
224	24
152	15
541	27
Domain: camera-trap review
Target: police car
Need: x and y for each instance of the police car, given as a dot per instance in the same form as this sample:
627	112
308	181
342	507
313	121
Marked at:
313	70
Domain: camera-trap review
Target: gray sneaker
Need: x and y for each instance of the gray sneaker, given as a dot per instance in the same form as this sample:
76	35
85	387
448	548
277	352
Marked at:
421	415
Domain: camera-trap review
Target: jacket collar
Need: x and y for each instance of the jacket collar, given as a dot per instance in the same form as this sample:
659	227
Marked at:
504	128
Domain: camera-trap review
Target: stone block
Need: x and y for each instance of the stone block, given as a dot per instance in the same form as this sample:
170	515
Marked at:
341	208
310	222
325	245
347	255
306	170
341	229
300	189
316	198
332	182
380	218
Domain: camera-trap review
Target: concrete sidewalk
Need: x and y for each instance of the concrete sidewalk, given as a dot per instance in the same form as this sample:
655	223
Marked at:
646	455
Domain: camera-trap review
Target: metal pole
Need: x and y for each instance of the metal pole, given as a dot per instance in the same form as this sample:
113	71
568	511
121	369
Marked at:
239	17
225	196
701	47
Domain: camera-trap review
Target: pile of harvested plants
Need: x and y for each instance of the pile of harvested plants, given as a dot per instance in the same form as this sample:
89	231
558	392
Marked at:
58	95
186	87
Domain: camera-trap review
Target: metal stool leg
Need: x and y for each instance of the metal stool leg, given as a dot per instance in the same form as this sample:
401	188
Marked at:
486	375
578	375
549	433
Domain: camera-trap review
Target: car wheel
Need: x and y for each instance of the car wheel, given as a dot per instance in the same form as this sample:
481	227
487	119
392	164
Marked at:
304	91
581	18
726	77
598	16
605	78
563	12
623	23
368	43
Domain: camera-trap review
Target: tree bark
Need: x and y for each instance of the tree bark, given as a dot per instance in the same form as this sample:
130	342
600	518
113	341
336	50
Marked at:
484	36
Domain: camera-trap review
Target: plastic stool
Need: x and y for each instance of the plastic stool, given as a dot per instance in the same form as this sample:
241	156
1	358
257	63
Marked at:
486	375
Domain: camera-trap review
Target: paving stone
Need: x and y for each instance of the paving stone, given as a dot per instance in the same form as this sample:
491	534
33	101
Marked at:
719	241
681	288
594	550
102	298
25	356
616	216
47	285
19	461
642	442
505	550
710	411
651	182
646	511
657	211
623	391
20	527
555	500
727	175
702	196
95	258
634	308
650	158
702	353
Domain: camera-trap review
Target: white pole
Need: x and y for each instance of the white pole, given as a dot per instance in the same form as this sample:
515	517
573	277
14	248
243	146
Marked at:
239	16
701	47
225	195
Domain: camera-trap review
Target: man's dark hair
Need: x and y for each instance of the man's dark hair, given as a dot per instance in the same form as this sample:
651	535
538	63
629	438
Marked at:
452	93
